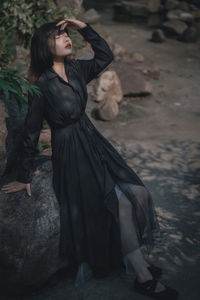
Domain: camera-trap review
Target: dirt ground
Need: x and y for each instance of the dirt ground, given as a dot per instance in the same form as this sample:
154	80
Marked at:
159	137
173	110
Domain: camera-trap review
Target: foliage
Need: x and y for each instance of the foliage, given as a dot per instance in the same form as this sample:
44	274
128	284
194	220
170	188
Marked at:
7	51
42	145
26	15
19	19
11	82
45	124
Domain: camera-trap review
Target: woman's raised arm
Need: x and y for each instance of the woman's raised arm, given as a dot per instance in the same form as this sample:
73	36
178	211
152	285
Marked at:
103	55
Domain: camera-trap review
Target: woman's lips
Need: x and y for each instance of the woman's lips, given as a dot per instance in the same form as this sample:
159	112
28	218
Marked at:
68	46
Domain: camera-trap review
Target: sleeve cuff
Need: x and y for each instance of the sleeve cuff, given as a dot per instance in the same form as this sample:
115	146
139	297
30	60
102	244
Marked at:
88	32
82	30
24	178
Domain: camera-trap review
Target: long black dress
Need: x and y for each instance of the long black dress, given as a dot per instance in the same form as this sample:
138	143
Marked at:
86	167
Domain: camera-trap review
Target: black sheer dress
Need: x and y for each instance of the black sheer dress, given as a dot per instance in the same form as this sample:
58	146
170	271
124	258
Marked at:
89	174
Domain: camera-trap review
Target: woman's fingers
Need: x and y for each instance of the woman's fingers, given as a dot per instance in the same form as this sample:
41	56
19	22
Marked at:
61	22
13	186
9	185
11	189
28	189
71	23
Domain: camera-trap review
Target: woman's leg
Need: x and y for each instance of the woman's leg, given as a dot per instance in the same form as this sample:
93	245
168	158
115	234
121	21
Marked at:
130	243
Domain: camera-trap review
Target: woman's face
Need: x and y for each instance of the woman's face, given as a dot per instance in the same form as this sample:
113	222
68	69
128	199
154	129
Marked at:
61	44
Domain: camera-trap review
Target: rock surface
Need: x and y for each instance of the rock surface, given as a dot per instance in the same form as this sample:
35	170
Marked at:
158	36
108	110
30	226
137	86
178	14
174	27
109	87
190	34
30	231
138	8
171	16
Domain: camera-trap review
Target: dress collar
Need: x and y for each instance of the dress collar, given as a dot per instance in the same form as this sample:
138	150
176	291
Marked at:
72	78
50	73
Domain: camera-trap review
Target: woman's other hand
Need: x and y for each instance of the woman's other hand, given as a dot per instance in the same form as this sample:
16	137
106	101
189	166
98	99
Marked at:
71	24
16	186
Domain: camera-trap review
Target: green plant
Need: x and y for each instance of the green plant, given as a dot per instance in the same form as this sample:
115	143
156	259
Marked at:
12	83
18	21
25	16
42	145
45	124
7	50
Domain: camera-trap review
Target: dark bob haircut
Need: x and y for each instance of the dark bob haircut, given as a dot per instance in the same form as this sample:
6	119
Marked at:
40	52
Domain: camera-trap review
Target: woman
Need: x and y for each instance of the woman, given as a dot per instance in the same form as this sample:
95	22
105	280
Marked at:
106	212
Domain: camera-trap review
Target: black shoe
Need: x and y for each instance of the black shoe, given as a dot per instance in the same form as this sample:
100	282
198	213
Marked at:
148	288
155	271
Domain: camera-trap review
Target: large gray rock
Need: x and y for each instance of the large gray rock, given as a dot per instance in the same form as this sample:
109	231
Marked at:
30	226
178	14
133	83
171	4
108	109
132	9
174	27
30	231
109	87
190	35
158	36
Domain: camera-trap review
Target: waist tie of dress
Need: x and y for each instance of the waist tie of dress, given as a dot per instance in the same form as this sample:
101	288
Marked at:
86	126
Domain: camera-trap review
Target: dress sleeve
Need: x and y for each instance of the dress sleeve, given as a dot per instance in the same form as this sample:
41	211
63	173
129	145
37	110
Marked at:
31	133
103	55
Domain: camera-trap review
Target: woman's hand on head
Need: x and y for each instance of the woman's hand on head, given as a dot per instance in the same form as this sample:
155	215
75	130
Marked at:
71	24
16	186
